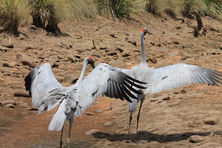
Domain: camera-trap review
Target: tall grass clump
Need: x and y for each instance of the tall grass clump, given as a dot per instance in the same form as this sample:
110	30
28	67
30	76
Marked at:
48	14
214	7
184	7
12	13
116	8
83	9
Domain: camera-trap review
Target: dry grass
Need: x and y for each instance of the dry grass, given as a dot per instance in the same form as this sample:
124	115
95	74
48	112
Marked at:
12	13
83	9
183	7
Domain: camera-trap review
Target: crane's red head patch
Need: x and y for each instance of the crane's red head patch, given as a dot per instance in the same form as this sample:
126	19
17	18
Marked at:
90	57
143	29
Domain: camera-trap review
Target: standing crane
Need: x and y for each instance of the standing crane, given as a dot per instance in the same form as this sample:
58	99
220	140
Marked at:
166	78
104	79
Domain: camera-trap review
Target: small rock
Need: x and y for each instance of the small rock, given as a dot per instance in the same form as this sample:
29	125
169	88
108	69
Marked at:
10	105
5	65
153	99
3	50
185	57
211	121
183	91
9	46
21	93
176	42
92	131
195	139
55	65
113	35
78	56
166	98
112	53
220	47
119	49
33	108
10	64
108	123
5	102
100	110
126	55
152	60
74	81
26	60
29	47
71	58
132	42
103	48
90	113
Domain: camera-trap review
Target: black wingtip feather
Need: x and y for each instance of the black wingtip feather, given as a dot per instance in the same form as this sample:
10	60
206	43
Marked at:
137	81
124	94
134	84
28	81
132	89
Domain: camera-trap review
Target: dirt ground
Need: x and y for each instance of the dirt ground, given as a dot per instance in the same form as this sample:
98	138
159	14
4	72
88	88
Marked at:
168	119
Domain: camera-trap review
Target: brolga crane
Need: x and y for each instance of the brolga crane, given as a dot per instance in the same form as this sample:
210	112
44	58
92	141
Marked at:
104	79
166	78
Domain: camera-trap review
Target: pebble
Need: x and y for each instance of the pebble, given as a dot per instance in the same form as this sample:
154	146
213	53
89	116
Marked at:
5	102
92	131
220	47
10	105
8	46
119	49
211	121
26	60
195	139
108	123
21	93
90	113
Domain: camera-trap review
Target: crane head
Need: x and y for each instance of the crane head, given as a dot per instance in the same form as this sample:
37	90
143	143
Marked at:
145	31
91	61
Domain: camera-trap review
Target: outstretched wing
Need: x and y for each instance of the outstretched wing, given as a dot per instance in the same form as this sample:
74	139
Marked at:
173	76
41	83
107	80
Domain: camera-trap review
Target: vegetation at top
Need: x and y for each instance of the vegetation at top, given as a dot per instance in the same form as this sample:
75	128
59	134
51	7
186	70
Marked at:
47	14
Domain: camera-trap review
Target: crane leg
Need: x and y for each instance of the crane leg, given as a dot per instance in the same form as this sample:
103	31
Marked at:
70	126
138	116
61	137
130	120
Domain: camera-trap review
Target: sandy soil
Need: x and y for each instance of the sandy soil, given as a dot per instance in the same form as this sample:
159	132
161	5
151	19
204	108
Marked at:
168	119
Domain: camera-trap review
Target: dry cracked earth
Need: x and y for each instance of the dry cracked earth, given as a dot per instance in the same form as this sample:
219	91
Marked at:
189	116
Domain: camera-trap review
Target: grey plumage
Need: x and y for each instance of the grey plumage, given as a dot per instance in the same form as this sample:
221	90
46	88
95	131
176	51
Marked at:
167	77
104	79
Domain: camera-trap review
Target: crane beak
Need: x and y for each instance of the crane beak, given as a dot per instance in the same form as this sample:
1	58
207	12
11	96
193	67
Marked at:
92	65
147	32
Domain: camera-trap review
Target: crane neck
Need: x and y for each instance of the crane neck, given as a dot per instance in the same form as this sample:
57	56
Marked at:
83	71
143	60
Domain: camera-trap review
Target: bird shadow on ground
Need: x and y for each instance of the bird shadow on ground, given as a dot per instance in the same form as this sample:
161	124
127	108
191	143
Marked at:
148	136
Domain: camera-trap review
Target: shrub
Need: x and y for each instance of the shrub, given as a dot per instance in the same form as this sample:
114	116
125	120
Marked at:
83	9
184	7
12	13
214	7
49	13
117	8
